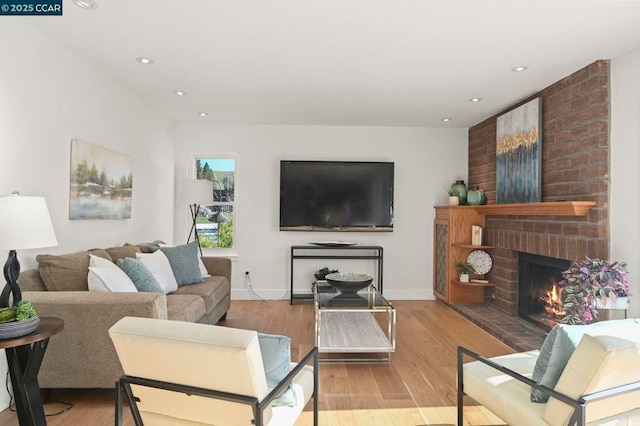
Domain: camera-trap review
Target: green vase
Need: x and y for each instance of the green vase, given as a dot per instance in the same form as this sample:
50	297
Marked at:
476	197
460	189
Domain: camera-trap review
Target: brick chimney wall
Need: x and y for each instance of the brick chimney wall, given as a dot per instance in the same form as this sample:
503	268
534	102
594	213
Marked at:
575	166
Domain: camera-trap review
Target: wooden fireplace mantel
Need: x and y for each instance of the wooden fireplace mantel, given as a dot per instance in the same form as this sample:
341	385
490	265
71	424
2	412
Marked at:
549	208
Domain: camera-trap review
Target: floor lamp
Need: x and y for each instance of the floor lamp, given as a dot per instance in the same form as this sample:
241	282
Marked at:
24	224
195	193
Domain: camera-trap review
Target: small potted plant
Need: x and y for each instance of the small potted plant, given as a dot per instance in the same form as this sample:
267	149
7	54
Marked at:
592	284
321	276
454	199
465	269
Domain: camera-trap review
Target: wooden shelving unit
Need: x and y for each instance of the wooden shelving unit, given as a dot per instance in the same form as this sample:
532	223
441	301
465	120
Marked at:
452	241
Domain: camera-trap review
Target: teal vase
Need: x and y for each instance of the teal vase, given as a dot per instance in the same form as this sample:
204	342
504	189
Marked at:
460	189
476	197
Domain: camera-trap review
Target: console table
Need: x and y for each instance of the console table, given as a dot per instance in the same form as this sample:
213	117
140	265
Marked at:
24	356
334	252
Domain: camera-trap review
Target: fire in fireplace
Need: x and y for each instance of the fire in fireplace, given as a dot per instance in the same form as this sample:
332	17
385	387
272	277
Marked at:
539	296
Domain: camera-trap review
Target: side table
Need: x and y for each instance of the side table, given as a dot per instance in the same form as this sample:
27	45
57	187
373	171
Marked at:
24	356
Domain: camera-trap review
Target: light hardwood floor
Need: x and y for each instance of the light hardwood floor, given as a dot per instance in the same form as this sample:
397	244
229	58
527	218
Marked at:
418	386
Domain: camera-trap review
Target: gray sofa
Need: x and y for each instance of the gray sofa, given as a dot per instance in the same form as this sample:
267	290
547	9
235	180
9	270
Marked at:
82	355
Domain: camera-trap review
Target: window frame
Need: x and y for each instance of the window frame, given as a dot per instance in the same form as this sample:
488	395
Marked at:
222	251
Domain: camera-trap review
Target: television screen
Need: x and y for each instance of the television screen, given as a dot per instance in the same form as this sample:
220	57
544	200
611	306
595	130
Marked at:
328	195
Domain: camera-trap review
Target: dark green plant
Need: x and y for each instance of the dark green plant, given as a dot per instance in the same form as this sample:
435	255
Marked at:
588	280
321	274
465	267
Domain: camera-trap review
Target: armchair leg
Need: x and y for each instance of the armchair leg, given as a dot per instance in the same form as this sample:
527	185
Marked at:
315	390
118	414
460	390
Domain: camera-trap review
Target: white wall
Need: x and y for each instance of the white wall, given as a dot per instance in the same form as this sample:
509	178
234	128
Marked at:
625	170
427	161
47	97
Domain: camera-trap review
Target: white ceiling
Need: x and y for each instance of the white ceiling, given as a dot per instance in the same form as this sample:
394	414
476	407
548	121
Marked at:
342	62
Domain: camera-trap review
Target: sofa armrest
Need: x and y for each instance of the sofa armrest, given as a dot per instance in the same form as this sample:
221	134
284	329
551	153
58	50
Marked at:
218	266
82	355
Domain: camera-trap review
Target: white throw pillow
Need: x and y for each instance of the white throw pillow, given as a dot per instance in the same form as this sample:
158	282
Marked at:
203	269
109	278
159	266
99	261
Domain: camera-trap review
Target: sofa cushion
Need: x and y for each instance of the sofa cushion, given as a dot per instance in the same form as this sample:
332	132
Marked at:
599	363
187	308
146	247
212	290
118	253
67	272
558	348
158	264
141	277
184	263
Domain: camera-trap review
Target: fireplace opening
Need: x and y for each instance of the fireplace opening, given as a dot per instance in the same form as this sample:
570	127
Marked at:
538	292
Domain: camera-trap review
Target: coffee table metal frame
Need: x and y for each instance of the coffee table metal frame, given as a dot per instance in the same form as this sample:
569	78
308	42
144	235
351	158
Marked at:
352	324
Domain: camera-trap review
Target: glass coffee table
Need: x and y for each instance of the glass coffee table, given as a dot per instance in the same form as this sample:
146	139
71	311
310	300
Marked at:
358	327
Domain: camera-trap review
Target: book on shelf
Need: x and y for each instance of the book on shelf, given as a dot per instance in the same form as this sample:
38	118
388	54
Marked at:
476	235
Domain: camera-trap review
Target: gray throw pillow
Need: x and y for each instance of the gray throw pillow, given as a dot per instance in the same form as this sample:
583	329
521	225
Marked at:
276	357
184	263
556	350
140	275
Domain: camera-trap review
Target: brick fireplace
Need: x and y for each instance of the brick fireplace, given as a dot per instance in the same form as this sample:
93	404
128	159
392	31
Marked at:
575	166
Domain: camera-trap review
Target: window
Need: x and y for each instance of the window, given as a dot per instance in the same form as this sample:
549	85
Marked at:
215	222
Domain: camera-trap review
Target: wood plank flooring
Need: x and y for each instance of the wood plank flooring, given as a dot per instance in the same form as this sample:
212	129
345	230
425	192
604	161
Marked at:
418	386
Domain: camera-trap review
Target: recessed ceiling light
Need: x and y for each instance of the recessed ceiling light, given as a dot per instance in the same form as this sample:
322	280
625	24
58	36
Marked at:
203	114
475	99
446	119
143	60
180	93
86	4
519	68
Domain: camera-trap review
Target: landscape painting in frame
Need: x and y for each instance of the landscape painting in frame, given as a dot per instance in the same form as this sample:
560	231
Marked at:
101	183
519	155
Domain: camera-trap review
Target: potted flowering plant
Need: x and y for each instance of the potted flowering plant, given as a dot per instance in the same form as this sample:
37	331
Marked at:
592	284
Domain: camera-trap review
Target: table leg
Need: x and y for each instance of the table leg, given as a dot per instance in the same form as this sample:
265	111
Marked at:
24	364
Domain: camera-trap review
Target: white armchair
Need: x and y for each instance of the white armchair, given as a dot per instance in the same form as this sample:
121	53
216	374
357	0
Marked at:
179	373
600	384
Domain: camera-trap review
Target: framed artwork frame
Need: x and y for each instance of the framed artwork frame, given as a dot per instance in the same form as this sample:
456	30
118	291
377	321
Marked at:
519	154
101	183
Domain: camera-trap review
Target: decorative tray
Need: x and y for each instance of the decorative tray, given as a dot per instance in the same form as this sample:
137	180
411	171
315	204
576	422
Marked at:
10	330
334	243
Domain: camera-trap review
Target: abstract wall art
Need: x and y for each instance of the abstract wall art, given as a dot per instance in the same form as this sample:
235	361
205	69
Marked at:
519	154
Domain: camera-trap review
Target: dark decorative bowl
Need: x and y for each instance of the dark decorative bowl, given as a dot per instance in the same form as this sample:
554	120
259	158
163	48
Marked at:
349	282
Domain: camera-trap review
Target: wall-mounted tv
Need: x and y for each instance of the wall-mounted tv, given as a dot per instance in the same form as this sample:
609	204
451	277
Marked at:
336	195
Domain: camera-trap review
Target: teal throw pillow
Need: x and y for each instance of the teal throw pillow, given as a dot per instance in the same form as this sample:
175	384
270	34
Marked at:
140	275
276	357
556	350
184	263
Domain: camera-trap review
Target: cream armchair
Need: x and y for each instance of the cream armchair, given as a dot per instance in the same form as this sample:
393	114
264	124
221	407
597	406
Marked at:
599	385
179	373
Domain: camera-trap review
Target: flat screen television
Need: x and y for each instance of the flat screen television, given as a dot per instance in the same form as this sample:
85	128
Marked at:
336	195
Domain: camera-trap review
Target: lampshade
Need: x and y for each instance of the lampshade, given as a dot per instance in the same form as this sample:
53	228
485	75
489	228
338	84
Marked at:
192	191
25	223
